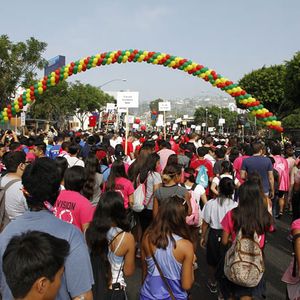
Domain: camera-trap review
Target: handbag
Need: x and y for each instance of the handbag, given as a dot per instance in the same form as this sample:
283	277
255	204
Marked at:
117	292
161	273
99	288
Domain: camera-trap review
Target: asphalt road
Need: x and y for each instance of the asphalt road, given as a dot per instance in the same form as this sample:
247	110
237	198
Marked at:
277	254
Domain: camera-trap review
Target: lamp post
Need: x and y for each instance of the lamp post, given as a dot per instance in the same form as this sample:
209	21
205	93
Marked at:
107	82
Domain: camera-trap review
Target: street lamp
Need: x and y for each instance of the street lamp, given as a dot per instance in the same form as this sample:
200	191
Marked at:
107	82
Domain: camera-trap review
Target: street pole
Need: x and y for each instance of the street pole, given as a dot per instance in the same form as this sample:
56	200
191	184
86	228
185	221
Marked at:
127	131
206	121
165	133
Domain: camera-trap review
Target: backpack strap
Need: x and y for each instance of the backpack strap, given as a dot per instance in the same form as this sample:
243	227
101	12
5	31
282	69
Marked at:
165	281
9	184
194	186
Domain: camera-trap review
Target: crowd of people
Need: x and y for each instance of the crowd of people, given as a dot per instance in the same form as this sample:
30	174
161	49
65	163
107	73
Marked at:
70	227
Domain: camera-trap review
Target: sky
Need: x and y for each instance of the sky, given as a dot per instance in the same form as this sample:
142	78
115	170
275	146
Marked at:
232	37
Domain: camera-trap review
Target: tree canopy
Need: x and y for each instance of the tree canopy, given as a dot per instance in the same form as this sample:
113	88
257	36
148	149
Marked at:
268	86
64	100
18	65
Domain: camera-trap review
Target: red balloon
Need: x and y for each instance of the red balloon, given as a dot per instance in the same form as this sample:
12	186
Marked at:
143	127
137	121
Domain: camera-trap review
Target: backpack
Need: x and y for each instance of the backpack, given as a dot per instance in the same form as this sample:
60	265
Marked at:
4	219
139	196
202	177
244	263
193	219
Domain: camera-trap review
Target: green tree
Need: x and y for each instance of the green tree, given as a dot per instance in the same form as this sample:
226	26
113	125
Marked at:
53	104
18	65
292	120
292	82
86	99
268	86
212	115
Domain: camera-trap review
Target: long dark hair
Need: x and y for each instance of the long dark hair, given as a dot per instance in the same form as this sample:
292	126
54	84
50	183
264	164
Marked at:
149	166
169	220
251	215
135	168
91	168
117	170
110	212
74	179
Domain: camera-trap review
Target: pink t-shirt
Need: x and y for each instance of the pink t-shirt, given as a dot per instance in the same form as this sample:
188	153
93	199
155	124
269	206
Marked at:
73	208
282	167
164	155
125	187
295	225
228	226
237	165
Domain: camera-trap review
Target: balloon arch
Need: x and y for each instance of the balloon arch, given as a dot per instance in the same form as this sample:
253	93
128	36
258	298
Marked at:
243	99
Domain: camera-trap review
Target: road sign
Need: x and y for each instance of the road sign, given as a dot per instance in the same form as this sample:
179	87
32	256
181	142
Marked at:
23	118
128	99
164	106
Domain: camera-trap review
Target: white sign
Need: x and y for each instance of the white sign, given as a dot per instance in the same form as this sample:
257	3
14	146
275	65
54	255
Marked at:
122	110
221	122
160	120
110	106
128	99
210	129
174	127
185	116
193	126
135	126
178	120
168	123
203	124
164	106
198	128
130	119
23	118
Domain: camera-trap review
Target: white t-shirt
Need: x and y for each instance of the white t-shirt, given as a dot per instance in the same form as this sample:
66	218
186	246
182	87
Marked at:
74	161
15	202
210	158
153	178
216	180
213	212
198	192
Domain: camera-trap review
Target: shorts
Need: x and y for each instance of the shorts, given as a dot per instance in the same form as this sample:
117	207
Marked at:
281	194
213	247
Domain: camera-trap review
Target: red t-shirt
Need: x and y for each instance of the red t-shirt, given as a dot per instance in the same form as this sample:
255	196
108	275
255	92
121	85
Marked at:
129	147
73	208
196	163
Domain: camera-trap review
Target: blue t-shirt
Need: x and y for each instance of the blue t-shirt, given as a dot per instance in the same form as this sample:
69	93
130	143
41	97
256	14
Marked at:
261	165
54	151
78	275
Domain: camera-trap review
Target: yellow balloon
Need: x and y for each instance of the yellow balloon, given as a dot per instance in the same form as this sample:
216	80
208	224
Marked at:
16	107
52	73
5	119
268	123
125	59
40	90
172	64
253	112
109	60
